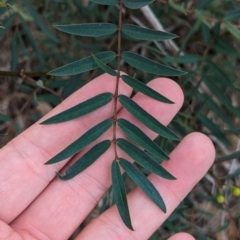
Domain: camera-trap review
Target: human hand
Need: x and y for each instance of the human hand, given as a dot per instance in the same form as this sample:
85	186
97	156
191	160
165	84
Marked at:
36	205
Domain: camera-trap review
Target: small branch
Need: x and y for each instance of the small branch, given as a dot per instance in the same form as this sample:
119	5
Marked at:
45	88
28	77
18	74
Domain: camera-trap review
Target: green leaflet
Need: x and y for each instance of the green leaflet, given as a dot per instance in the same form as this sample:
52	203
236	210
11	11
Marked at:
86	160
87	138
81	109
143	159
119	194
145	64
139	137
135	4
232	29
216	108
83	65
39	21
229	157
147	34
104	67
234	130
223	227
232	175
233	15
88	29
203	3
139	178
148	120
105	2
141	87
213	128
4	118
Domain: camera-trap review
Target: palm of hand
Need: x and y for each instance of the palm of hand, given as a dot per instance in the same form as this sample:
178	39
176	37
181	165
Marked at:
36	205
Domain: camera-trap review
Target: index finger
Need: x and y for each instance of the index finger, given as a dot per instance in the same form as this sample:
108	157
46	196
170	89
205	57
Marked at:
23	174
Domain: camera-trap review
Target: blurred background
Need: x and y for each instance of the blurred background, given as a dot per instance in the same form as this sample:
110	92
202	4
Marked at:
208	48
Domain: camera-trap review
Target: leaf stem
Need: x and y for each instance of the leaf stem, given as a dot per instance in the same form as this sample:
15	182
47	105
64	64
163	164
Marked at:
118	77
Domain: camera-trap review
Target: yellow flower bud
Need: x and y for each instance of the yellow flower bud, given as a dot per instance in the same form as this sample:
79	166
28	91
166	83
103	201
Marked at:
236	191
220	198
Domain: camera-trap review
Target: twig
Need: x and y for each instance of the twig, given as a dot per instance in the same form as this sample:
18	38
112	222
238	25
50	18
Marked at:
17	74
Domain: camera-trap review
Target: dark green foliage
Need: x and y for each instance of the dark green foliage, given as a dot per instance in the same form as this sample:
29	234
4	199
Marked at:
104	67
143	159
83	65
39	20
140	138
119	194
139	178
208	49
135	4
144	117
140	87
88	29
86	160
149	66
81	109
229	157
145	33
106	2
4	118
87	138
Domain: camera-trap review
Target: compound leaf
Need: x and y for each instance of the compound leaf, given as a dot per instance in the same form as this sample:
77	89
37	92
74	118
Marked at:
105	2
147	34
149	66
88	29
144	117
142	181
143	159
104	67
87	138
141	87
81	109
135	4
86	160
83	65
138	136
119	194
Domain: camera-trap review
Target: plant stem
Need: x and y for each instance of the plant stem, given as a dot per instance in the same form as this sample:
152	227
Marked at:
118	78
17	74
